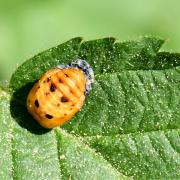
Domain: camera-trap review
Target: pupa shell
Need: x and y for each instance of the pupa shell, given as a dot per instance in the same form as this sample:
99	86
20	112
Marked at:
60	93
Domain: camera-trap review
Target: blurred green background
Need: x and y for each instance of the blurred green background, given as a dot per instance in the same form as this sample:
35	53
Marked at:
29	27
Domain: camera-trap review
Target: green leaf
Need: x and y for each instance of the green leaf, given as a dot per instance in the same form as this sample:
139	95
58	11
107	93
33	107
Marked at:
148	155
128	127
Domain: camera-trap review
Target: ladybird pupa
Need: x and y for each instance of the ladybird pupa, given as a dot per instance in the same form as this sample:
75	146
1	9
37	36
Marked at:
60	93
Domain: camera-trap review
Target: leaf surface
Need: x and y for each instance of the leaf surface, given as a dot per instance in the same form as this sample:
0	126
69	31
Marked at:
128	127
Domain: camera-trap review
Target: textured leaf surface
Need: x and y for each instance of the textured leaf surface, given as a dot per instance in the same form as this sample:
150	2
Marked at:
128	128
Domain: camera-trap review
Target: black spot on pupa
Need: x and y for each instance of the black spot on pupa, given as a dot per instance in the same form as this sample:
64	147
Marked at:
36	103
58	104
44	81
64	99
52	87
60	80
65	114
48	79
66	75
47	93
49	116
71	91
38	86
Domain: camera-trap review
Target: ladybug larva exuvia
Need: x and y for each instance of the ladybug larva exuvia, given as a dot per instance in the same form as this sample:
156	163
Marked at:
60	93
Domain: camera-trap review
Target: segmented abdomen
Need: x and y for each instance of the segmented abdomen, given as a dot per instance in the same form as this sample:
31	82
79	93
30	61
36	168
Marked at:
57	96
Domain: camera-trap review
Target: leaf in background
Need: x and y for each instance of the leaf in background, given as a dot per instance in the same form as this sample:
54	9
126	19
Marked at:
129	126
